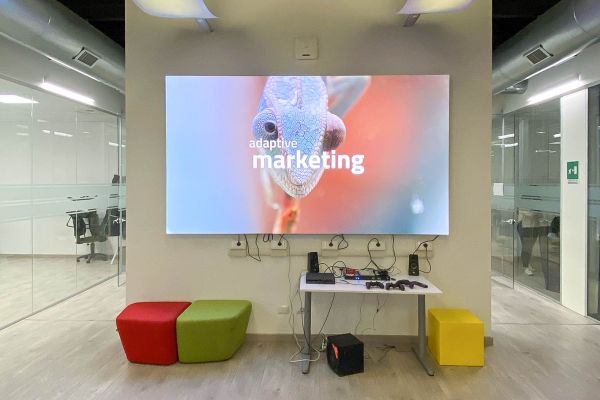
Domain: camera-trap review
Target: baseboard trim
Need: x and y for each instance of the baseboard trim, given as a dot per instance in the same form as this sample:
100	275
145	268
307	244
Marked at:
395	340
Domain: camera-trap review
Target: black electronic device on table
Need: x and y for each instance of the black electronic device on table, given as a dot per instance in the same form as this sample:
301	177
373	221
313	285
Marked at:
376	276
402	283
345	354
412	284
320	278
313	262
375	284
396	285
413	265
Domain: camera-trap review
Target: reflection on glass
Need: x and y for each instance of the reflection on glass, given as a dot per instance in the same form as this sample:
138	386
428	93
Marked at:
593	279
503	199
538	198
57	157
526	197
121	222
16	245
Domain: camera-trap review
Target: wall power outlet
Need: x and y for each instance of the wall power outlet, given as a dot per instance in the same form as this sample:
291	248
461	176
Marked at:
279	248
377	248
237	248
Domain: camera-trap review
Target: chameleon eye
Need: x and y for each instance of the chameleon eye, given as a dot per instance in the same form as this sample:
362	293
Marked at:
270	127
264	126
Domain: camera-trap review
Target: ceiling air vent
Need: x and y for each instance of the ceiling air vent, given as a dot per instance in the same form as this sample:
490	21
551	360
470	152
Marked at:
86	57
537	55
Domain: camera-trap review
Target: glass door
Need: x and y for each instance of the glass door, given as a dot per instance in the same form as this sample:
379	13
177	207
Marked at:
537	198
503	198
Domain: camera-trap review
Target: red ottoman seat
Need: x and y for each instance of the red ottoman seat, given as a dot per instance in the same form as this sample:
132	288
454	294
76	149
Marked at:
147	331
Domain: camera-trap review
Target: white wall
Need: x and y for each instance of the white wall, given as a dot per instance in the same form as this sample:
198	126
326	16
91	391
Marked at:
356	37
573	202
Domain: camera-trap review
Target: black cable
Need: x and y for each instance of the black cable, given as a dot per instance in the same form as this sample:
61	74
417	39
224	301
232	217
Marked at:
327	316
267	237
426	259
342	244
333	266
371	261
377	266
280	239
377	309
257	257
423	242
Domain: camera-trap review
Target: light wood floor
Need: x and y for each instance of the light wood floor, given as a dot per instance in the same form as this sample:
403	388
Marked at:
72	351
30	283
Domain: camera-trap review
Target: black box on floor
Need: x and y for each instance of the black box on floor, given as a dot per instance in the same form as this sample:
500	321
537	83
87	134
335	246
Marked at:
345	354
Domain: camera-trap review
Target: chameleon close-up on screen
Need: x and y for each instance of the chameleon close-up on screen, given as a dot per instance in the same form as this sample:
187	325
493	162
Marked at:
308	111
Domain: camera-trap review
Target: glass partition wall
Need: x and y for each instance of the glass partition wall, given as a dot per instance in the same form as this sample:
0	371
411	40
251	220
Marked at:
60	199
526	197
503	197
593	276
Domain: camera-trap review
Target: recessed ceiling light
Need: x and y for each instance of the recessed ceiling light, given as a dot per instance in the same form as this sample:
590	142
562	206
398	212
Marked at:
13	99
429	6
22	134
555	91
557	135
510	135
57	133
67	93
46	131
554	143
511	145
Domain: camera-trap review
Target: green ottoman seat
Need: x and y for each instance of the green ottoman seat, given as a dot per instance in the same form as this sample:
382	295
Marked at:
212	330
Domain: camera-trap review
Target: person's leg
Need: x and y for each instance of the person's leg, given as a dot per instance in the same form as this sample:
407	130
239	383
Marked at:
542	236
528	237
522	239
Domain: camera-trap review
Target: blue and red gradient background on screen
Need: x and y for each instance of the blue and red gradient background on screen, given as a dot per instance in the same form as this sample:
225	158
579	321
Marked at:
400	124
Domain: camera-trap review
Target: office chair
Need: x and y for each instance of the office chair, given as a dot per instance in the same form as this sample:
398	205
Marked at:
98	232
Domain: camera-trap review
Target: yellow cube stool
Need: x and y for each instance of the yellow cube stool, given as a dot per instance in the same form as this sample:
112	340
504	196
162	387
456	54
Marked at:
455	337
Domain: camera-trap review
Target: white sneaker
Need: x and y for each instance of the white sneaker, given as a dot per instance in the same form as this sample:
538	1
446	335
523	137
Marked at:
529	271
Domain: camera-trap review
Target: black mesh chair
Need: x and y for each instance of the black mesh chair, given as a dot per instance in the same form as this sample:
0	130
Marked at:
89	221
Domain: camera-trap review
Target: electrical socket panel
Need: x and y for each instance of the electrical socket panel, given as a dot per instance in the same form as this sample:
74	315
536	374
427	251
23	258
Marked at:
329	249
283	309
237	249
377	248
279	248
421	250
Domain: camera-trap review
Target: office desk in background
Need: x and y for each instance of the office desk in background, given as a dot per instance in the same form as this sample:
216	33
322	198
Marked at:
358	287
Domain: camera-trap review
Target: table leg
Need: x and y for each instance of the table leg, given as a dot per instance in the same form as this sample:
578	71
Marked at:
306	350
421	349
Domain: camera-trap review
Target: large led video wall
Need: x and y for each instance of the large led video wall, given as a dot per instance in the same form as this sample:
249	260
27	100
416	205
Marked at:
307	154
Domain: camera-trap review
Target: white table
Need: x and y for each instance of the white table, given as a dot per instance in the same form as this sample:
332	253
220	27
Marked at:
341	286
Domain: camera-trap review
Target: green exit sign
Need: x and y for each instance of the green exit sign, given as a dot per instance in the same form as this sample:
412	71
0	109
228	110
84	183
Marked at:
573	171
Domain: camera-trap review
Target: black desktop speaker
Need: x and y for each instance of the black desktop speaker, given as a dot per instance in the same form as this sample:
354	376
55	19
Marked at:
313	261
345	354
413	265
